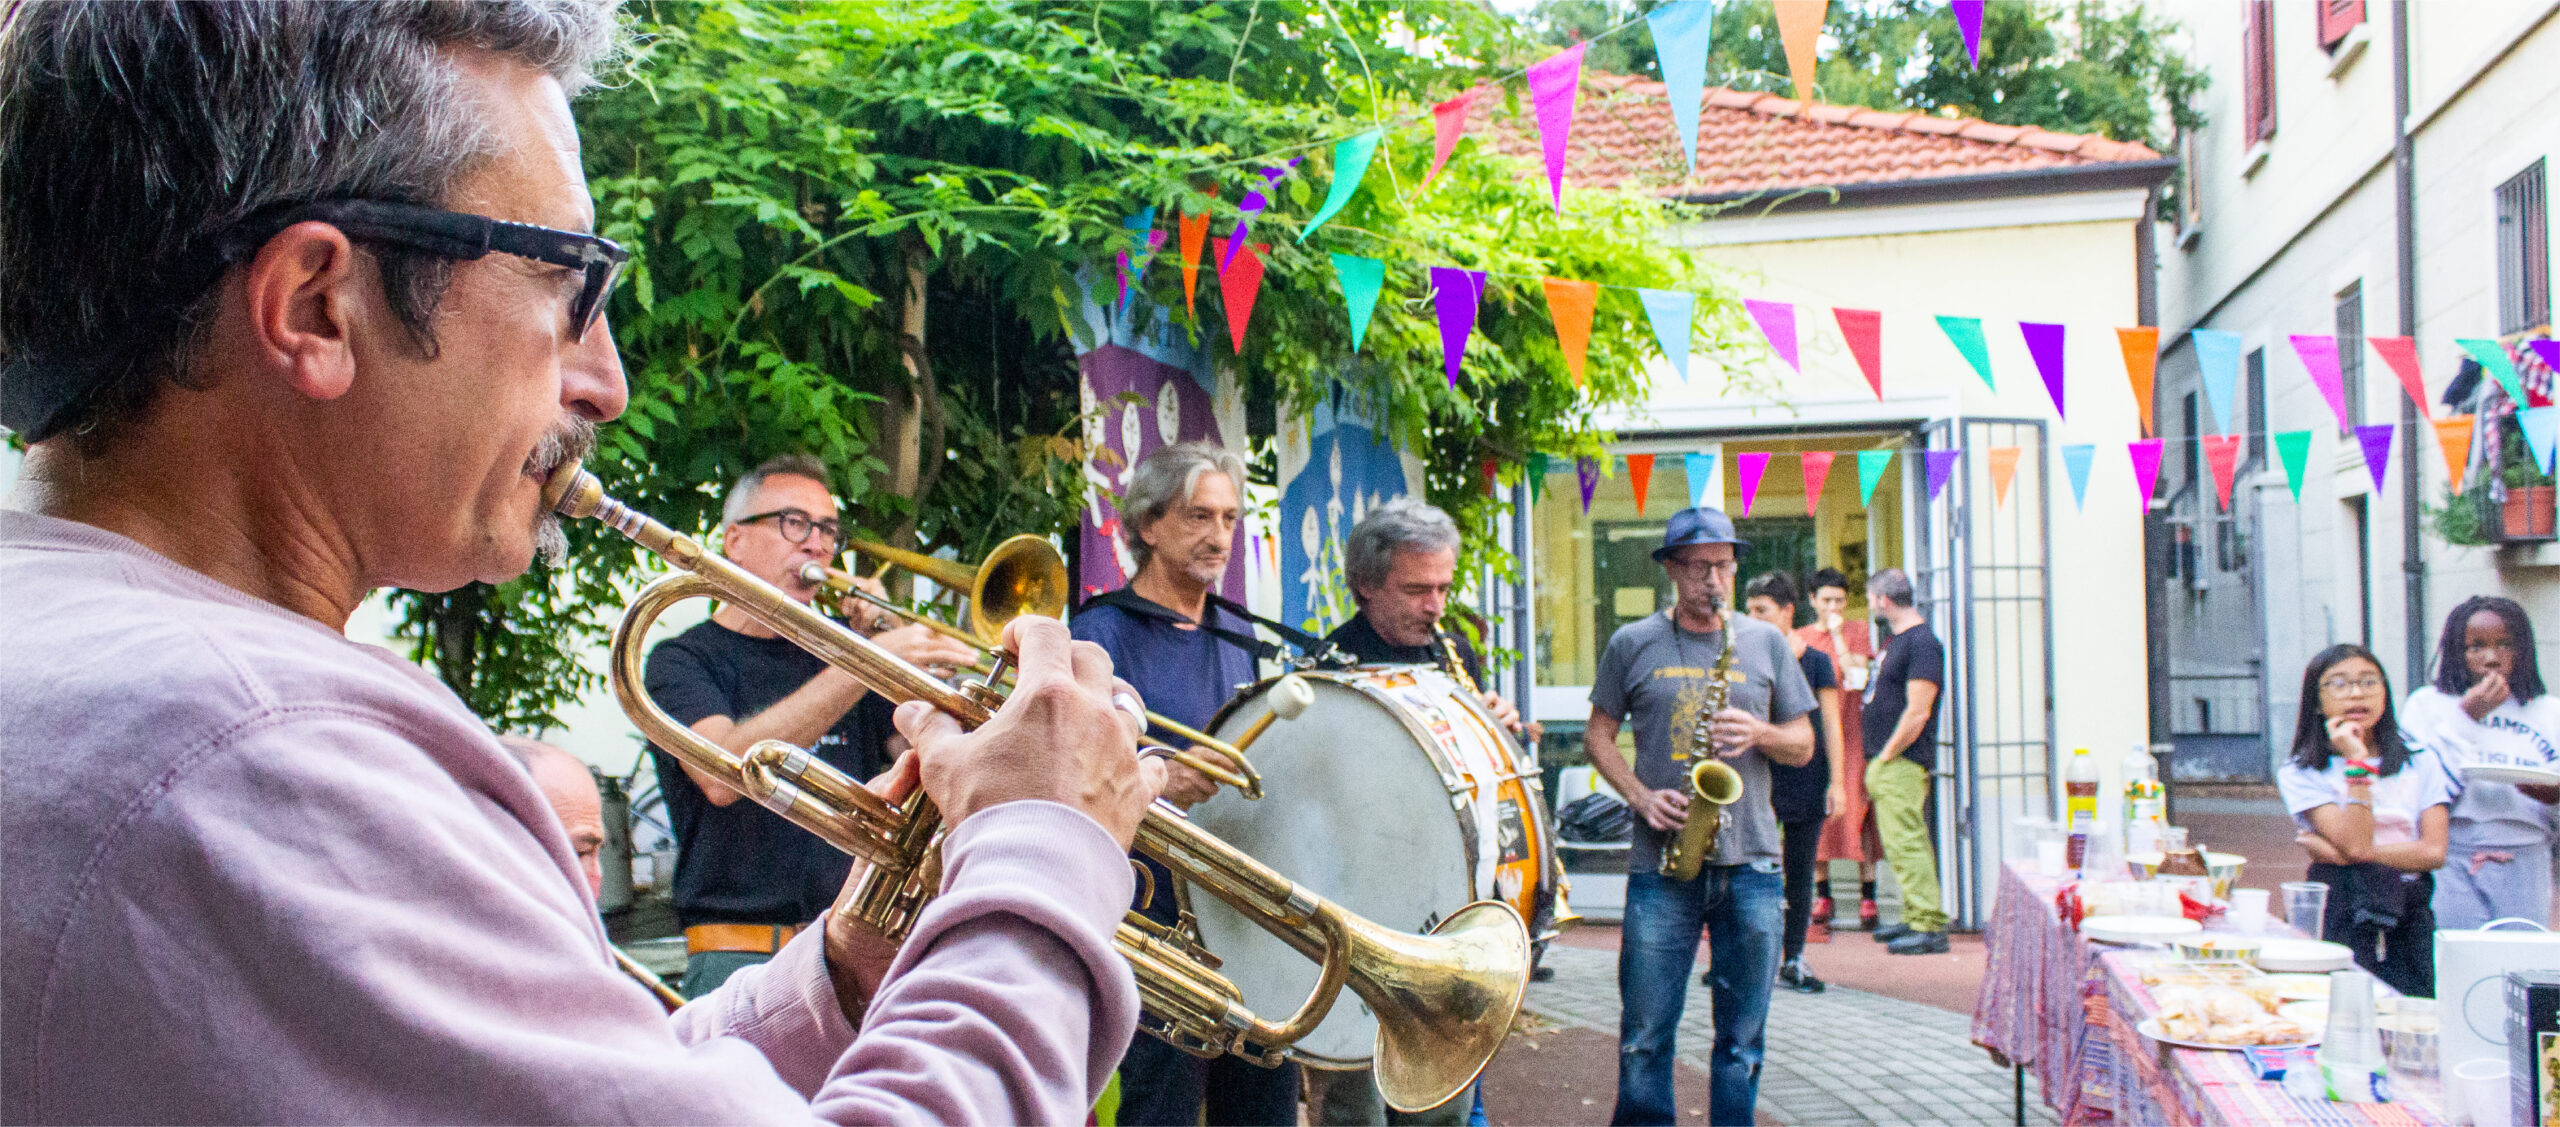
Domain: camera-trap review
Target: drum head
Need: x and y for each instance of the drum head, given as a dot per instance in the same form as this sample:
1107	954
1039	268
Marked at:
1356	811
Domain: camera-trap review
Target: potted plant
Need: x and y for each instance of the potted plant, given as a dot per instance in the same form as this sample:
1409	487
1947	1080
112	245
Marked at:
2511	505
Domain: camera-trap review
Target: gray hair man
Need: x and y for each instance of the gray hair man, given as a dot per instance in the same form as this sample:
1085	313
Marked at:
1900	723
298	300
1401	563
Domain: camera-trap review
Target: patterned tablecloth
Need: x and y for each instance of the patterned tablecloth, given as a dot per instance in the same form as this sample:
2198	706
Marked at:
2067	1008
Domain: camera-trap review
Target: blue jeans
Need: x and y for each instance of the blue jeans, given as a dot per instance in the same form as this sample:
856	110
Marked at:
1743	910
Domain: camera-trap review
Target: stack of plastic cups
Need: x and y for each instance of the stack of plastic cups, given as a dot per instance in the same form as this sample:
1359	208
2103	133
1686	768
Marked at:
2351	1061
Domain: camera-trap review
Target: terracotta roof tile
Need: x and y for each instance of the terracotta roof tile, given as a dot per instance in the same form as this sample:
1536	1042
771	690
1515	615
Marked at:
1622	137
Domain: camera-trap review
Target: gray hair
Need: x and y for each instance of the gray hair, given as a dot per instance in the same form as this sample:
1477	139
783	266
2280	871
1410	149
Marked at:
742	496
1167	478
132	133
1403	524
1891	586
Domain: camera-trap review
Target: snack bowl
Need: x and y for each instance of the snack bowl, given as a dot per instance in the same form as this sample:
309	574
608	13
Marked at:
2222	868
2217	947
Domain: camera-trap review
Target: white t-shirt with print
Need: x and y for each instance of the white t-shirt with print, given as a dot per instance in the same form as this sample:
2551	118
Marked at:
2493	815
2398	798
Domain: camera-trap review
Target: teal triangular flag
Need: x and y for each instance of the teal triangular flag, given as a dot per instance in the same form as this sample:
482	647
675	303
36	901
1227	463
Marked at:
2075	461
1682	30
1362	278
2541	426
1351	157
1871	464
1701	469
2293	448
1670	311
2501	366
1966	334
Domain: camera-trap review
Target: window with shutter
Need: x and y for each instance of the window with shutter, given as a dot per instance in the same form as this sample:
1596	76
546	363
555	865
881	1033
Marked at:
2337	18
2258	78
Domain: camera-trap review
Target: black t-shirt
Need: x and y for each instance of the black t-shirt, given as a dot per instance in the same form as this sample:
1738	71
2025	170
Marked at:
1362	641
1913	655
1796	793
742	863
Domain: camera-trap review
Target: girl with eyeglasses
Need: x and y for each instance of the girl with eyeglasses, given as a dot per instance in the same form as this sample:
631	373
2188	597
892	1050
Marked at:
2373	810
2488	708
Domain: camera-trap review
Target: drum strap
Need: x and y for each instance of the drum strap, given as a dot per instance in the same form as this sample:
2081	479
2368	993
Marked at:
1317	650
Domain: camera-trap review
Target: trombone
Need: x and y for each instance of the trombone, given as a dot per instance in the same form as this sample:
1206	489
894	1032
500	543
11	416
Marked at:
1025	575
1444	1001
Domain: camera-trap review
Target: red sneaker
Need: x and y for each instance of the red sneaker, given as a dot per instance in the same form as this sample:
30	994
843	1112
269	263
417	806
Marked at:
1867	915
1822	911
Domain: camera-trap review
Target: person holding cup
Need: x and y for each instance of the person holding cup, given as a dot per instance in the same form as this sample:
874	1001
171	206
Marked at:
2373	808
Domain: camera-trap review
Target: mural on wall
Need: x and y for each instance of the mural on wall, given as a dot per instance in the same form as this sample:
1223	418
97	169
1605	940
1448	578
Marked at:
1334	467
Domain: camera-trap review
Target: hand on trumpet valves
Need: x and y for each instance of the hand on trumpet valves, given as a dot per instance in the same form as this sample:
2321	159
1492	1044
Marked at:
1058	738
858	955
921	646
1664	810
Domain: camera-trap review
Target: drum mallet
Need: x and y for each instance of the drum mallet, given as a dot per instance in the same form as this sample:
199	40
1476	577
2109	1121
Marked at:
1290	696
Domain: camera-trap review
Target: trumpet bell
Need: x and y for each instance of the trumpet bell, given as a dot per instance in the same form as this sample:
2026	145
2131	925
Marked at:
1444	1003
1023	575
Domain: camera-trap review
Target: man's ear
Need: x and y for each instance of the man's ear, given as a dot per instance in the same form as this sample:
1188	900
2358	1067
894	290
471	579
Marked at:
303	293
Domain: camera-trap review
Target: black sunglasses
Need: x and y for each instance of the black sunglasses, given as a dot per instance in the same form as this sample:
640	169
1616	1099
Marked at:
450	234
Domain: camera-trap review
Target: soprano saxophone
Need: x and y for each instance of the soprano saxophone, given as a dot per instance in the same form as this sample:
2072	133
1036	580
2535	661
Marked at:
1712	784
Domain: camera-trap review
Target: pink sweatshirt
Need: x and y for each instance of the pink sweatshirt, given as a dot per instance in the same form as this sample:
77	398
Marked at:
255	871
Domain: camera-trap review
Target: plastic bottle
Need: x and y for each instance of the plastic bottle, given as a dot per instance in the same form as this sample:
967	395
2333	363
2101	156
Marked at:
2143	801
2080	804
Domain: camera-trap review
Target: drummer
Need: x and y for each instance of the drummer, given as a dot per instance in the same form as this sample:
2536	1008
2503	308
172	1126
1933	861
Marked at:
1401	562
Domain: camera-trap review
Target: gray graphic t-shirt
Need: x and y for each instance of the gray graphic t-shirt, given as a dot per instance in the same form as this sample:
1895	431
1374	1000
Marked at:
1656	673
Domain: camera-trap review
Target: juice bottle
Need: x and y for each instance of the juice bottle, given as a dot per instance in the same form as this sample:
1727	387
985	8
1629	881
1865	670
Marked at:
2080	804
2143	795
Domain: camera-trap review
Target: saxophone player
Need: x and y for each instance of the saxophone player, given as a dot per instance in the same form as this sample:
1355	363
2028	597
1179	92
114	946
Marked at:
1657	671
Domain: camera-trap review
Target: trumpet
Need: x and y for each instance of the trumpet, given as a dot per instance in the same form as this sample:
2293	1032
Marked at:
1444	1001
1013	582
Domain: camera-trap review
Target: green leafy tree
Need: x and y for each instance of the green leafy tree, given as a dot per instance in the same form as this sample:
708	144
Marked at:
857	229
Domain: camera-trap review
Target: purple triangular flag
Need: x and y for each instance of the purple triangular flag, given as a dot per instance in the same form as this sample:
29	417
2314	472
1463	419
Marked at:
2376	440
2146	467
1588	471
1969	21
1941	465
2320	358
1251	205
1553	82
2548	350
2044	346
1777	321
1453	296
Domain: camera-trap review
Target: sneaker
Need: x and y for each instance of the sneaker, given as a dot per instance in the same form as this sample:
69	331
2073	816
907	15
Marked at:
1795	977
1867	915
1822	911
1890	933
1542	973
1920	943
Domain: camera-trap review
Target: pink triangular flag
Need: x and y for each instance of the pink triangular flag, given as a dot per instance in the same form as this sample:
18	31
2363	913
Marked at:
2320	358
1863	329
1750	466
2222	456
1777	321
2401	354
1553	83
1640	475
1817	466
1448	123
2146	467
2004	468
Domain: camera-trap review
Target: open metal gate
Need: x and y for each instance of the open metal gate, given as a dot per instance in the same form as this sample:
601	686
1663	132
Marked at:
1979	566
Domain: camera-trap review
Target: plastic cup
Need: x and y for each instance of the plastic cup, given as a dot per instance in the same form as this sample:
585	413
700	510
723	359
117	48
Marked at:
2050	856
2306	906
2476	1092
2249	909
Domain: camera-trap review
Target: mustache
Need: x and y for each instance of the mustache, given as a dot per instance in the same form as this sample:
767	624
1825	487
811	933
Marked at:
566	444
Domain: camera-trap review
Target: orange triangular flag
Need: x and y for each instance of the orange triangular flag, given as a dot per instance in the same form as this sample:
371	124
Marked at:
2141	360
1193	229
1570	303
1238	285
1799	28
1817	466
2004	465
2453	434
1640	475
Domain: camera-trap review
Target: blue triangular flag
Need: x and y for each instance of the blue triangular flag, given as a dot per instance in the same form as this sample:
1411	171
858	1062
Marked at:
1362	278
2075	461
1670	312
1701	469
1680	35
2540	426
2218	357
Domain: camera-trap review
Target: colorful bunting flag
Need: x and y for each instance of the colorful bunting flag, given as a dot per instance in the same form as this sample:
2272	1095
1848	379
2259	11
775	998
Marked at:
1351	156
1681	33
1777	321
1671	312
1966	334
1448	123
1969	22
1238	284
2320	358
2222	457
1750	467
2075	464
2376	440
1701	469
1553	84
1132	270
1640	475
1491	468
1799	29
1454	294
2501	366
2548	351
2541	427
1871	467
1361	279
2141	348
2004	468
2401	355
2145	456
1252	205
1941	465
2044	346
1539	466
1195	228
1817	467
1863	330
2293	449
2453	440
1570	304
2218	361
1587	471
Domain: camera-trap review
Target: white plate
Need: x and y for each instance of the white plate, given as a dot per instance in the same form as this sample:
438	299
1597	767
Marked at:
2520	776
2309	1015
2304	956
2137	929
2150	1027
2301	987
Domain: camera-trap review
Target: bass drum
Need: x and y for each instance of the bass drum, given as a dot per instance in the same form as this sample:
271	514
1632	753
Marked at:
1396	796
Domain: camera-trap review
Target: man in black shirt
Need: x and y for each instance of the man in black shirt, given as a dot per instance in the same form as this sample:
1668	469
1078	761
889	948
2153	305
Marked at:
746	880
1401	563
1901	727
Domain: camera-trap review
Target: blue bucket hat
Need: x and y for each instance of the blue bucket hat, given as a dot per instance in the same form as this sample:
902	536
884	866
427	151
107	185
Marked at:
1698	526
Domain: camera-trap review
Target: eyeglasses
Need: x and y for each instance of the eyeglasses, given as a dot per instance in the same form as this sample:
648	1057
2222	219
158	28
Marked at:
2344	686
1699	569
796	525
450	234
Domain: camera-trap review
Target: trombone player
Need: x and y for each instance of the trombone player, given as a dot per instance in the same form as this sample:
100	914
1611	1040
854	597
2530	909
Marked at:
258	872
746	880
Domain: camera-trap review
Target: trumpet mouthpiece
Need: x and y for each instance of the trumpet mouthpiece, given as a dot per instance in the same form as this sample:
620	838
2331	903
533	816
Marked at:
813	573
572	492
